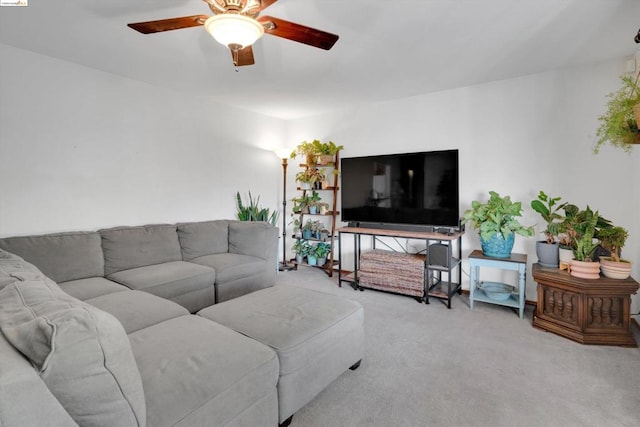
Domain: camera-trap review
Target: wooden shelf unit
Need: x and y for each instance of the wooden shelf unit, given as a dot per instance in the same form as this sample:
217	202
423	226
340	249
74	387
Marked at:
333	189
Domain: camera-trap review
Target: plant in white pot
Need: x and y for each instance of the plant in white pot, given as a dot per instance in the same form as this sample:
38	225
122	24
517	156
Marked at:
612	239
496	222
548	207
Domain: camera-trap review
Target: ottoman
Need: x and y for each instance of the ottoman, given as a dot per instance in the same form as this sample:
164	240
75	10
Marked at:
316	336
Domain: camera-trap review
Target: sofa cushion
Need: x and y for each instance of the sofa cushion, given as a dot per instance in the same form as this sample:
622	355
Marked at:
125	248
203	238
196	372
61	256
230	267
91	287
137	310
25	399
169	280
81	353
257	239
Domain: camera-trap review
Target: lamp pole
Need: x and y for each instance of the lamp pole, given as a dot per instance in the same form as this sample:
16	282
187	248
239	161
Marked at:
284	265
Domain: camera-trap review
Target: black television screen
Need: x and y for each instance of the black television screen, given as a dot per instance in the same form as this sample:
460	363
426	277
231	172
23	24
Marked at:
417	189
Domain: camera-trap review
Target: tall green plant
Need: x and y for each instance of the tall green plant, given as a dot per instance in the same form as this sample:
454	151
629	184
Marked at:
252	211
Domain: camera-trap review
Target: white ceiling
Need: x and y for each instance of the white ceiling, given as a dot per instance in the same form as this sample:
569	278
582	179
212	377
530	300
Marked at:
387	49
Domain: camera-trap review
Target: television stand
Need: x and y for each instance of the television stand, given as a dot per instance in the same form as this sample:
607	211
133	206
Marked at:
417	275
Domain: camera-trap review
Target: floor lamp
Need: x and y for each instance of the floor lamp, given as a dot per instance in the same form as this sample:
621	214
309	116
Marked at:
284	265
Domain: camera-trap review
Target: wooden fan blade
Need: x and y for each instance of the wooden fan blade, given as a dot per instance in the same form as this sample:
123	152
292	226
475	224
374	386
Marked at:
298	33
168	24
243	56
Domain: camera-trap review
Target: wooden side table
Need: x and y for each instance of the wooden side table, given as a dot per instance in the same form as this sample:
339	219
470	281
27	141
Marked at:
517	262
589	311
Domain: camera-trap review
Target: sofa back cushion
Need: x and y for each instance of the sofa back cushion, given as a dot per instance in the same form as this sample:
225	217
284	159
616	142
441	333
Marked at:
252	238
203	238
125	248
81	353
61	256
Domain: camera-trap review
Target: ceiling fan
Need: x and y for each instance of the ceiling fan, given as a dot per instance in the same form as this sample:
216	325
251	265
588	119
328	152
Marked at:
236	24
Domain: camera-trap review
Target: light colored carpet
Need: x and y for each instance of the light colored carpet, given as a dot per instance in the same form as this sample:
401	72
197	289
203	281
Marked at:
426	365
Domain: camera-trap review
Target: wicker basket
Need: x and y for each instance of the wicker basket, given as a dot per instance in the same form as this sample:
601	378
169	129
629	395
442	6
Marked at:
392	272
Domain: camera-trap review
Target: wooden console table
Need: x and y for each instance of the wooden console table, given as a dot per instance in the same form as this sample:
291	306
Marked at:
589	311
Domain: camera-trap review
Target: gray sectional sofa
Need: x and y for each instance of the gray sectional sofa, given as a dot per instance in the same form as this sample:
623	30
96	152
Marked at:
97	329
193	264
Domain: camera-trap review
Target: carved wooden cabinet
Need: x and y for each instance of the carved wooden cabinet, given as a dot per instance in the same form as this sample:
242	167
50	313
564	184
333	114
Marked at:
589	311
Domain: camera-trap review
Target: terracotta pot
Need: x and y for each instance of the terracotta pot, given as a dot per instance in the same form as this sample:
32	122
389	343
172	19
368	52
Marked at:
584	269
615	270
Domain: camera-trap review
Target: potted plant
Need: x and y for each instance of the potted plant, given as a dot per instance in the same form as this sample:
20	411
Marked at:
312	258
582	229
619	125
317	151
496	222
297	249
322	250
253	212
548	208
326	151
307	229
310	178
314	202
612	239
301	204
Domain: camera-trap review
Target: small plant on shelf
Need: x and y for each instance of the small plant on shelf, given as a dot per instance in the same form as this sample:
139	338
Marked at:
314	149
309	177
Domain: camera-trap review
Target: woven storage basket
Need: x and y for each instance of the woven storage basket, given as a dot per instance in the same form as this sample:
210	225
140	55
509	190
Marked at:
393	272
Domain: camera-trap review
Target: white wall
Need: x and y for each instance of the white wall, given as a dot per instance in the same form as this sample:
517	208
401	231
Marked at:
81	149
515	137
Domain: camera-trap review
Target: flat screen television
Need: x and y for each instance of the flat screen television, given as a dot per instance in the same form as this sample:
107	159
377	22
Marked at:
410	190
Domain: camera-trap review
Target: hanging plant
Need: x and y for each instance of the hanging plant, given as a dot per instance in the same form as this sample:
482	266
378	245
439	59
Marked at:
619	125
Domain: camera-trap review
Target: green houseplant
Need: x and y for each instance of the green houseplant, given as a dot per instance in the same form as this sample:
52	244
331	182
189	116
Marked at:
581	228
321	251
310	178
619	125
548	207
613	239
315	149
252	211
496	222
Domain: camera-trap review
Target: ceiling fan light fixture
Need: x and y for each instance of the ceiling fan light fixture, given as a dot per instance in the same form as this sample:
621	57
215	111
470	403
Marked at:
233	29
